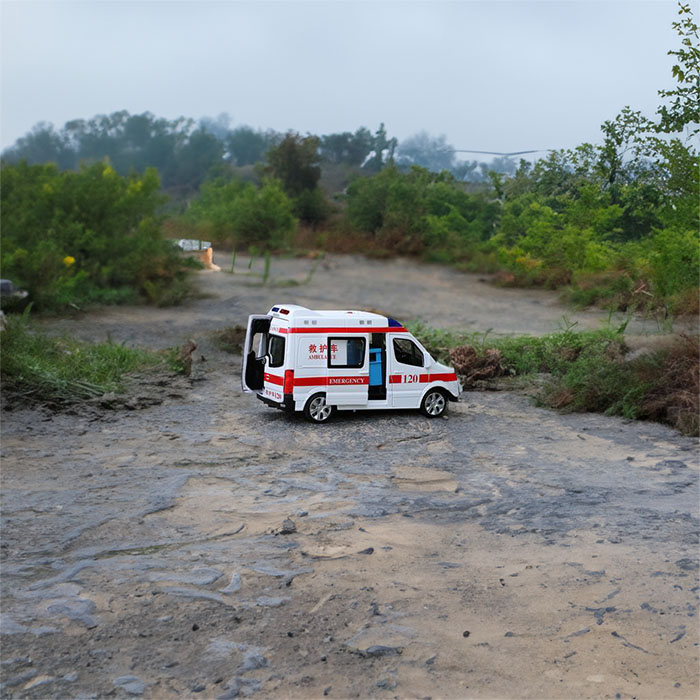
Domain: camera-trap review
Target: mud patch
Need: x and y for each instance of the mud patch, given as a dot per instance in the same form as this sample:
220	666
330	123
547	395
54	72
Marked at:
424	479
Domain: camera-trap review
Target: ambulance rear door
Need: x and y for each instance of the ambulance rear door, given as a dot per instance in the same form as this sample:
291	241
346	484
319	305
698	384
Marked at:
254	350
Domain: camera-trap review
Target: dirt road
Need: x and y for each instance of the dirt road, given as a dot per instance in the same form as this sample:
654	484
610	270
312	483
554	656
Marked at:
211	547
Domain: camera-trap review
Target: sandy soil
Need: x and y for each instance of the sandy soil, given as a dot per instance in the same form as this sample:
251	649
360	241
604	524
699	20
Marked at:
210	547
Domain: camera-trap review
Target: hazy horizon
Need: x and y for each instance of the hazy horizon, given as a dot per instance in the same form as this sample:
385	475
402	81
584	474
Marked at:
490	76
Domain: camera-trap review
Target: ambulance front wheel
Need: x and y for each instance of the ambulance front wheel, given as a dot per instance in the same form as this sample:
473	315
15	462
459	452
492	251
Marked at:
317	410
434	403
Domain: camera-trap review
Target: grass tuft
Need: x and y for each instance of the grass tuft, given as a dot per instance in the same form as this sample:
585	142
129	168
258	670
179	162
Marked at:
36	367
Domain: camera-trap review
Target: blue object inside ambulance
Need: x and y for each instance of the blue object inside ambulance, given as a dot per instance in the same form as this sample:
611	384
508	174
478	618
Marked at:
375	366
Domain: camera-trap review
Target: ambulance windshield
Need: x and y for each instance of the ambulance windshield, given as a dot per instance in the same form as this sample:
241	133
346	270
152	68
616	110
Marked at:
276	350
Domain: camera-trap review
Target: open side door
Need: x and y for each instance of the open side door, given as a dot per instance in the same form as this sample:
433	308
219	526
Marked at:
254	349
348	370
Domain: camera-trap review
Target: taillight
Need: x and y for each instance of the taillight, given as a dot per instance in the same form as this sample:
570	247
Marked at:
288	385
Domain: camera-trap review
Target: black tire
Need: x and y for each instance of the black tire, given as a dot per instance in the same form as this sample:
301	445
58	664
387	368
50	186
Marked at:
434	403
316	410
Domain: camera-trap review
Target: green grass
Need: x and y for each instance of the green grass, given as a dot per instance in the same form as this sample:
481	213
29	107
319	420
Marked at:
34	366
589	371
521	354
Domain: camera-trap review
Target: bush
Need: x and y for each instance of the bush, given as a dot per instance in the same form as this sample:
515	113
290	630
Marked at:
84	237
674	261
215	207
264	217
241	214
663	385
311	206
420	211
589	371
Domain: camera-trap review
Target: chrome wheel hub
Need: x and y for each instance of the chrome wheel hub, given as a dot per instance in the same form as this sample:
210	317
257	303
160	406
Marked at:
435	404
319	410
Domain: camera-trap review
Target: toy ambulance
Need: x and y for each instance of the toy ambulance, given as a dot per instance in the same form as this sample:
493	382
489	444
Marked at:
296	359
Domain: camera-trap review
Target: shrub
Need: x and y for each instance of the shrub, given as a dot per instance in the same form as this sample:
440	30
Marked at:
674	261
420	211
239	213
83	237
589	371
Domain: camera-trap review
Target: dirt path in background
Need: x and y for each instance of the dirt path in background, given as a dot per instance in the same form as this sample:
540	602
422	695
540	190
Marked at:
406	290
502	552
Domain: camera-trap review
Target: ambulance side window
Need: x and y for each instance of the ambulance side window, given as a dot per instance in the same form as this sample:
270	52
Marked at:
276	350
346	352
407	352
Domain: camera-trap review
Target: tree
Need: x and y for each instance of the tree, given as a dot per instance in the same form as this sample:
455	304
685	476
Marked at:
201	152
42	145
347	148
431	152
87	236
335	148
218	127
382	150
683	110
264	217
247	146
240	213
296	162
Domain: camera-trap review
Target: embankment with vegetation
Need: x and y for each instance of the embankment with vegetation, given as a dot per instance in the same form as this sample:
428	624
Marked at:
582	371
60	372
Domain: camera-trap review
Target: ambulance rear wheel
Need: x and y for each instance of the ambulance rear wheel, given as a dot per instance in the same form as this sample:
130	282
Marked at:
317	410
434	403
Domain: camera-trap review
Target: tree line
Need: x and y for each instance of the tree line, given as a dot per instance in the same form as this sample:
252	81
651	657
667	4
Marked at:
187	152
614	222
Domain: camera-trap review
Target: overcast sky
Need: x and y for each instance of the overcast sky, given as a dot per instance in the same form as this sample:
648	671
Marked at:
503	76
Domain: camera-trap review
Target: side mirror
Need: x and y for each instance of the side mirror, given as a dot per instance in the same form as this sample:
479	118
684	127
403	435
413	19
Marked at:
427	360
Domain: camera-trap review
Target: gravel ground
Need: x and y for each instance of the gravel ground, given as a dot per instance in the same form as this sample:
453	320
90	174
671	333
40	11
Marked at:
211	547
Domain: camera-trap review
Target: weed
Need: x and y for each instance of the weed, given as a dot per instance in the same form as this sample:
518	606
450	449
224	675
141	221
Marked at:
230	339
266	270
169	292
36	367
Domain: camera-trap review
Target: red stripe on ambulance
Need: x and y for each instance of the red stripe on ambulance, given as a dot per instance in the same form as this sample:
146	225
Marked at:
329	381
340	381
422	379
354	329
445	377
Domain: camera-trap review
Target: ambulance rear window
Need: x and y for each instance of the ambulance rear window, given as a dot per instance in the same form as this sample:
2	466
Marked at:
276	350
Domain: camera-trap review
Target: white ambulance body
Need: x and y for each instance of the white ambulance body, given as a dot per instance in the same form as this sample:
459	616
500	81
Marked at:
297	359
